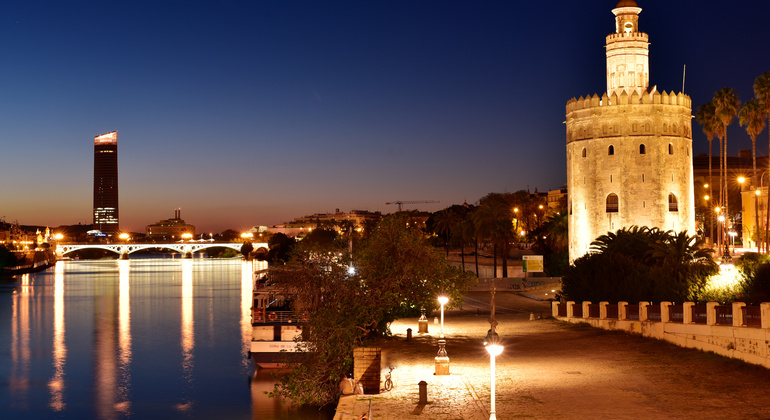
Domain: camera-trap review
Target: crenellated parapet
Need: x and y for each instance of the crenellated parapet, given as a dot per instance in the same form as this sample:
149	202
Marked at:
631	36
649	114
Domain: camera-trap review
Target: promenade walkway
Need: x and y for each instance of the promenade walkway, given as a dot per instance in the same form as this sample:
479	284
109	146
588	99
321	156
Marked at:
550	369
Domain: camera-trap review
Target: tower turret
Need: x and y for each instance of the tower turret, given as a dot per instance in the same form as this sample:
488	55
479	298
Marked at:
628	64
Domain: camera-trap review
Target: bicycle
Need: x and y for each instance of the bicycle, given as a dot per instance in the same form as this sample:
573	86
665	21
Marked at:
388	381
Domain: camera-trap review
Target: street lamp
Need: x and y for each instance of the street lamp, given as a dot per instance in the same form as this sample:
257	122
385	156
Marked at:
443	301
492	344
442	358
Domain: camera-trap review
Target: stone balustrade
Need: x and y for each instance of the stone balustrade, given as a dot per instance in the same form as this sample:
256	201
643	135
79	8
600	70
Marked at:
736	330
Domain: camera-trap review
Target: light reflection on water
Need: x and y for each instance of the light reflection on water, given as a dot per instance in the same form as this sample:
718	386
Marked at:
132	339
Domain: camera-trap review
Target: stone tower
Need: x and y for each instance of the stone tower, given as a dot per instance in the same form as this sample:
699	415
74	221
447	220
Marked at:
629	152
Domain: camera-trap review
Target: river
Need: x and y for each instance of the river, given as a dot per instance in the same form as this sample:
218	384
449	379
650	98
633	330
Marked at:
139	338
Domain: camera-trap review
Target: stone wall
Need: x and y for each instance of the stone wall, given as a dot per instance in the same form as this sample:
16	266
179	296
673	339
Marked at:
637	148
750	344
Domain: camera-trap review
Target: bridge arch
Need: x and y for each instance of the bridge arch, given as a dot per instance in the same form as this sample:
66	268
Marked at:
186	249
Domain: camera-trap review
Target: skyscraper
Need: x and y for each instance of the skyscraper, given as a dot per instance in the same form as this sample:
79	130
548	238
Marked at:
106	183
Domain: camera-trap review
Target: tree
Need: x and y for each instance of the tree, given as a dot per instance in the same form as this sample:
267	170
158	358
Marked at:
752	116
641	264
397	273
494	220
402	272
726	105
762	93
706	117
445	222
280	248
246	249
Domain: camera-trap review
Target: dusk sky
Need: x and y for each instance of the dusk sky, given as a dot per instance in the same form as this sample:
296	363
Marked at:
249	113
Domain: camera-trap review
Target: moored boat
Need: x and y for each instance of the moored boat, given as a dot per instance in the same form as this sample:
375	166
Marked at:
276	332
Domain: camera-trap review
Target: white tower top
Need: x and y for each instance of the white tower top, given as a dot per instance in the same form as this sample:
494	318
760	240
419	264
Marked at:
628	63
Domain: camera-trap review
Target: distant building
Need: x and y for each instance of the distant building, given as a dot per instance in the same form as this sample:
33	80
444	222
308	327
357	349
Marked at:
629	151
170	229
557	199
302	225
106	183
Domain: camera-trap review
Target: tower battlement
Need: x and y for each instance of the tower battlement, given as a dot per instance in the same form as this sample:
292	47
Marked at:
653	98
630	36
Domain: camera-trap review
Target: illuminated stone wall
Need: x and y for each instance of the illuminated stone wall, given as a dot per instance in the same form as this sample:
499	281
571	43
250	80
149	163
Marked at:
605	138
629	152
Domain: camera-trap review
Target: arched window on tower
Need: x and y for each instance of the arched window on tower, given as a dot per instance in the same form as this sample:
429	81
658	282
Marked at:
611	150
672	203
612	203
642	149
584	152
670	149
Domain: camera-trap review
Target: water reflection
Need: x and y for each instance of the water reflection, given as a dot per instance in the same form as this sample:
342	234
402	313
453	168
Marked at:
112	348
122	339
188	330
20	348
56	384
123	405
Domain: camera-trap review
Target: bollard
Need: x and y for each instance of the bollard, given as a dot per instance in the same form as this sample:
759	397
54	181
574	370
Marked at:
423	392
531	316
408	334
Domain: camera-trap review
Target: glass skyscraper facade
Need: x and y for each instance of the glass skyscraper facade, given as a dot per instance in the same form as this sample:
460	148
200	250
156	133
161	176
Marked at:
106	183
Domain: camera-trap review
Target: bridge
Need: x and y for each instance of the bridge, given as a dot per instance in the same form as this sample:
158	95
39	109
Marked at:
184	248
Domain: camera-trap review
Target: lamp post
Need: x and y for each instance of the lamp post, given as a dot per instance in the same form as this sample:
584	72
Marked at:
443	301
442	358
492	344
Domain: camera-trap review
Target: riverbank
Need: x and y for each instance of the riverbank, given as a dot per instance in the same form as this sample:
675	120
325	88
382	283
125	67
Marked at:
32	262
551	369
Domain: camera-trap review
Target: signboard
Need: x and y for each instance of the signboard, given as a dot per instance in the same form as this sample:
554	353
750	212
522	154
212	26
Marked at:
533	263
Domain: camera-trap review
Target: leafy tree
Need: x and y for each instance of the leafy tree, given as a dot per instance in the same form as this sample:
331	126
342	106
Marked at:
230	235
321	238
397	273
280	248
754	269
402	272
246	249
338	317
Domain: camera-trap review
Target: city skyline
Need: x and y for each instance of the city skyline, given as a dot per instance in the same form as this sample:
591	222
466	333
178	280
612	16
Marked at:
251	113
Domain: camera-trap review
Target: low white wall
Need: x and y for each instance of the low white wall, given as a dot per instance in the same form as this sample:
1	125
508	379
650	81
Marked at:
749	344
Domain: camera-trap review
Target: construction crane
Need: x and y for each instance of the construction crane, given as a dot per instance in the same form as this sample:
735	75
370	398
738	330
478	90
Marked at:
401	203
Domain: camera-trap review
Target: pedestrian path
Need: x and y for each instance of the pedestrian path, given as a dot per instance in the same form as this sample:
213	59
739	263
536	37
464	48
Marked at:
550	369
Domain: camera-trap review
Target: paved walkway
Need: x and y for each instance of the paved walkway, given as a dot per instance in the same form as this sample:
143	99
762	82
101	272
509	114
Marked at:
550	369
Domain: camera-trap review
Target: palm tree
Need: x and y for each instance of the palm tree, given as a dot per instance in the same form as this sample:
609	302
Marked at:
752	116
446	222
706	118
682	249
726	103
762	93
495	221
556	228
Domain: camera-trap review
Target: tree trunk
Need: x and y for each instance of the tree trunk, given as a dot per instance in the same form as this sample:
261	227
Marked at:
494	260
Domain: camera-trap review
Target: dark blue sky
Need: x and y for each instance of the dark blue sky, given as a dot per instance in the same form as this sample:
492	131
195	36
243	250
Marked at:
255	112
